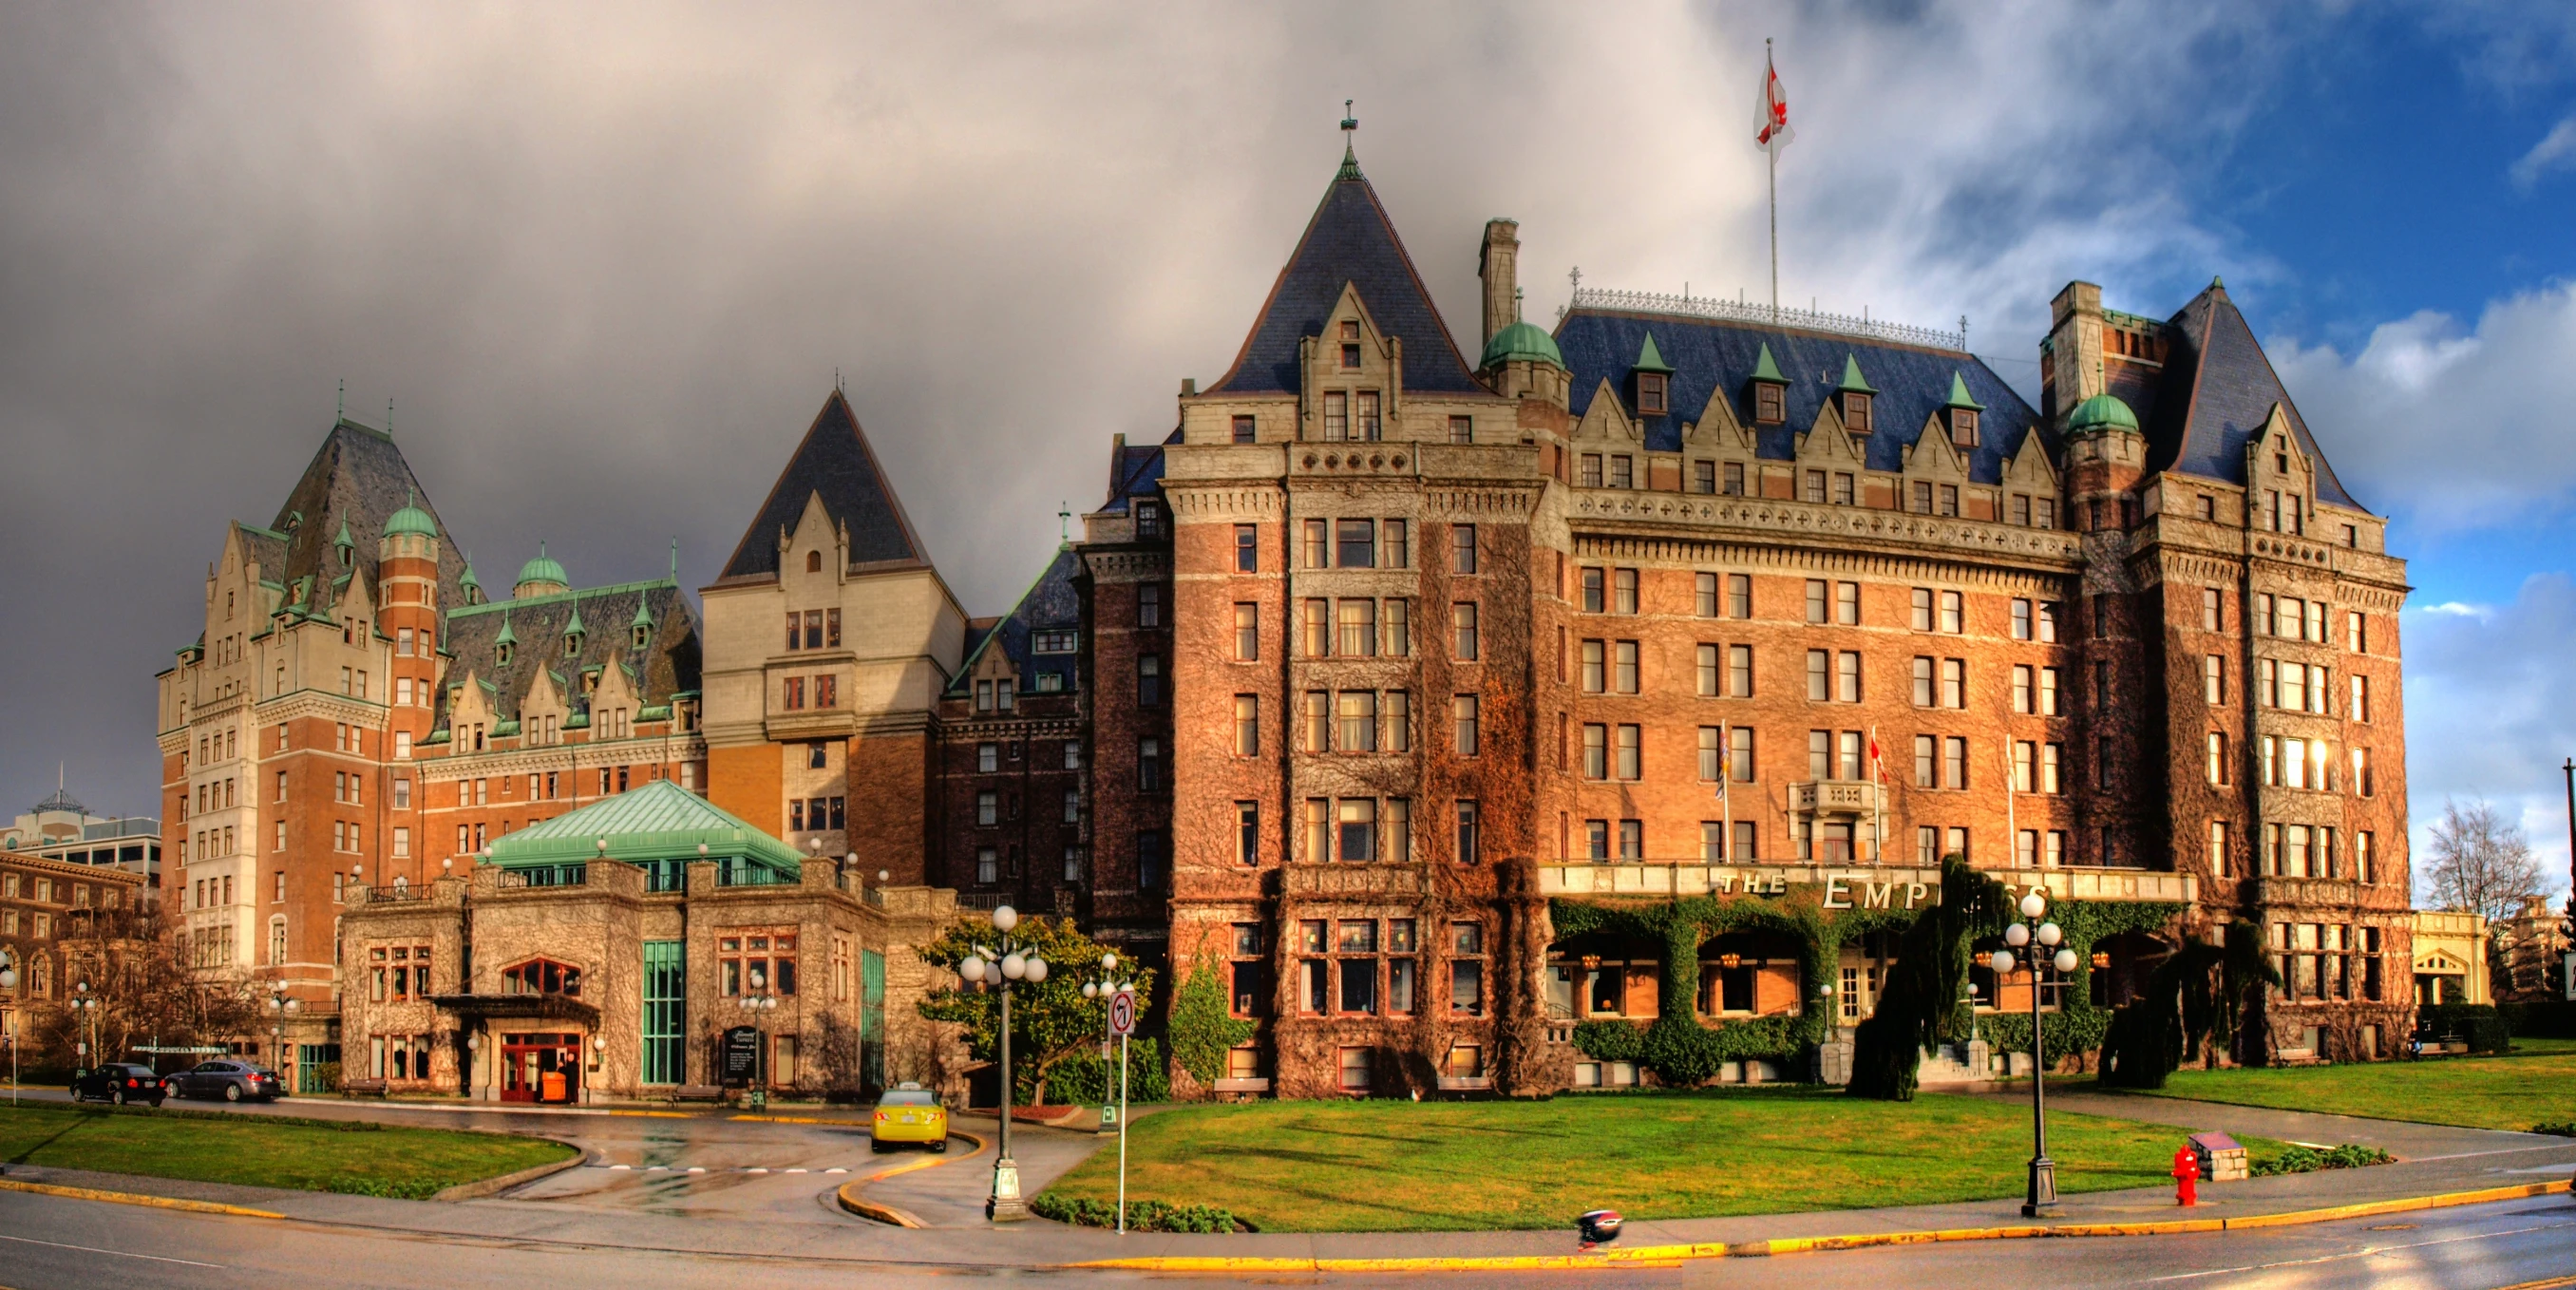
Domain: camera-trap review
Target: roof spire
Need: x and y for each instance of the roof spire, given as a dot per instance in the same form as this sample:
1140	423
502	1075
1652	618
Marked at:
1517	293
389	416
1064	521
1350	129
341	412
675	562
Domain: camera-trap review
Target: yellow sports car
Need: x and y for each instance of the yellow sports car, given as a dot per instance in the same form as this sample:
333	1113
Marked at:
909	1113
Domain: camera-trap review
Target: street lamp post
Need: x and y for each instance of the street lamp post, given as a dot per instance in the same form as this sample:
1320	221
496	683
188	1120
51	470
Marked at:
2567	957
997	971
2028	943
753	1005
9	981
86	1004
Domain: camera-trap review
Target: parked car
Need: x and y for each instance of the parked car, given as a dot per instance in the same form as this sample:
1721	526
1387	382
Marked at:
118	1082
909	1113
230	1080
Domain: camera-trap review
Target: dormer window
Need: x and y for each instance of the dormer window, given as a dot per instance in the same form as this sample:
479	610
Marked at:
1770	403
643	636
1963	427
501	653
1856	412
1654	379
572	644
1857	395
1650	393
1149	520
1350	345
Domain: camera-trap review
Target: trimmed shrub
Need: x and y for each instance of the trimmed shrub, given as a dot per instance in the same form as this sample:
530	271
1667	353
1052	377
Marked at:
2303	1160
1142	1215
1086	1080
2478	1024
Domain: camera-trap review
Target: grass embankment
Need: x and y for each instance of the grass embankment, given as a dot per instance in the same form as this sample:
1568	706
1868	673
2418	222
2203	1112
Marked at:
2535	1085
262	1150
1457	1166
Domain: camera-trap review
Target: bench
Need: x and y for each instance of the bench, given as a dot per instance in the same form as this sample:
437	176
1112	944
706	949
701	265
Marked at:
362	1088
698	1093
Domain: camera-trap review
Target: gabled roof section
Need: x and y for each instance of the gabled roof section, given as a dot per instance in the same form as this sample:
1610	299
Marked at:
1715	357
1050	604
835	462
669	662
659	821
1135	470
2218	391
355	482
1349	240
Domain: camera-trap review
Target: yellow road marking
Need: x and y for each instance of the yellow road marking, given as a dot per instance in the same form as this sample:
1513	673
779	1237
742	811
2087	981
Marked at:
136	1198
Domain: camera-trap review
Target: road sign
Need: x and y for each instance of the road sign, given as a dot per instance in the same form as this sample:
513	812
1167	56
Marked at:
1122	1013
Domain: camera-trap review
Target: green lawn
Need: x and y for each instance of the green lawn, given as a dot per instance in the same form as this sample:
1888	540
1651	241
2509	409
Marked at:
262	1151
1453	1166
2534	1085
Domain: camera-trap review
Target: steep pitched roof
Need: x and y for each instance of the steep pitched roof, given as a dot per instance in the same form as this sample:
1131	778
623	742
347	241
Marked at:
1135	470
1349	240
835	461
1050	604
670	658
1714	356
355	482
2218	391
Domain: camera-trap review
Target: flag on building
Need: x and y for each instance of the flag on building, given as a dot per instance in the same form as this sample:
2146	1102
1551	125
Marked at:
1771	109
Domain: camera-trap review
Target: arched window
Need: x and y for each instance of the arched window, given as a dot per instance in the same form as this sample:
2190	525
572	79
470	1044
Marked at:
542	976
813	562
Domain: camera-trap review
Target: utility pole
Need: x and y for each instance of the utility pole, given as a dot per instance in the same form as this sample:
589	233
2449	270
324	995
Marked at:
2567	956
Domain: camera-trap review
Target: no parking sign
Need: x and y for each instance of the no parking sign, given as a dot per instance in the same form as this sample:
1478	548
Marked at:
1122	1013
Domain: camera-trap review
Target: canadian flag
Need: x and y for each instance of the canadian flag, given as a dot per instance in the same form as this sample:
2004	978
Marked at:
1771	109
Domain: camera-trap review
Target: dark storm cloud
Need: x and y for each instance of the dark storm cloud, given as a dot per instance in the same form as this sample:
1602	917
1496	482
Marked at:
606	260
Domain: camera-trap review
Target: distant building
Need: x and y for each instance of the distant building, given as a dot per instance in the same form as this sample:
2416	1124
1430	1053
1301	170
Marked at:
60	828
45	910
2450	958
2532	948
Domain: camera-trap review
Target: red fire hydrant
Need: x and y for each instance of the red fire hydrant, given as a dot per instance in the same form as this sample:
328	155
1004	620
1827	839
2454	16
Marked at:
2186	1172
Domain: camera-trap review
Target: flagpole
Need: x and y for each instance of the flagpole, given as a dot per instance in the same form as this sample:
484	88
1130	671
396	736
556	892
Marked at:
1772	147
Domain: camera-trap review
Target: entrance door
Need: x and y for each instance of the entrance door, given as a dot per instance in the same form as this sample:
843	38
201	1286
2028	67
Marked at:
541	1068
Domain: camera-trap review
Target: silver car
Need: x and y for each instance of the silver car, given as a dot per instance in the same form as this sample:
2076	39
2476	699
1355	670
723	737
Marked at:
232	1081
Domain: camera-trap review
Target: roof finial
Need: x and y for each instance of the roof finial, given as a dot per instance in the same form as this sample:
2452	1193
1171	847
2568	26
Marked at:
389	416
1350	128
1517	294
341	412
675	561
1574	277
1064	521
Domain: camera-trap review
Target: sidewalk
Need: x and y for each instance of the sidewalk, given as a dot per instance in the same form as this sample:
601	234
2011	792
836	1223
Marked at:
2483	1160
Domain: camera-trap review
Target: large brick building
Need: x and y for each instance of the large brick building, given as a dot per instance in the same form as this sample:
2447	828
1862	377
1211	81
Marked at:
1447	639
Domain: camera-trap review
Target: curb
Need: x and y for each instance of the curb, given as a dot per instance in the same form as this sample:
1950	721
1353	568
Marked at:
1675	1255
850	1199
491	1186
137	1198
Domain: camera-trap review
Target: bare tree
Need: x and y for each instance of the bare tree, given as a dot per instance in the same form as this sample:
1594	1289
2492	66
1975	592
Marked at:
2482	864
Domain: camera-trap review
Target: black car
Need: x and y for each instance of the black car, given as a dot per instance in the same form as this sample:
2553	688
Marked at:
118	1082
230	1080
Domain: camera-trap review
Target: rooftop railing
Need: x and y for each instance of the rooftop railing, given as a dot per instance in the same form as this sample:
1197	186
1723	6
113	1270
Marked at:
1864	326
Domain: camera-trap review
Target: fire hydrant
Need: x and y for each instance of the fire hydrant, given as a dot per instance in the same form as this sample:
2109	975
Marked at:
2186	1172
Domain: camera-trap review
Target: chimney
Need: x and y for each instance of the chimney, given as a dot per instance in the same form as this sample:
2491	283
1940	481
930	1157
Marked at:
2074	371
1498	263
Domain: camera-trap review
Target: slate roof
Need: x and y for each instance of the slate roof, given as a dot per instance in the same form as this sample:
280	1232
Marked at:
668	665
357	478
658	821
1050	603
2218	391
835	461
1135	470
1713	355
1349	240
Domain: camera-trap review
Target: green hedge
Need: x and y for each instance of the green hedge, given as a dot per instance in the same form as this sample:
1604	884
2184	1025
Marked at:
1086	1080
2477	1023
1142	1215
2547	1019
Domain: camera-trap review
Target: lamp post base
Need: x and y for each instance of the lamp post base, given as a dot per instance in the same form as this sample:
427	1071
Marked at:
2041	1200
1005	1204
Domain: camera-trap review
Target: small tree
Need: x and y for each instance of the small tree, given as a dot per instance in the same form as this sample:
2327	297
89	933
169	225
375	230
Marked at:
1050	1021
1204	1029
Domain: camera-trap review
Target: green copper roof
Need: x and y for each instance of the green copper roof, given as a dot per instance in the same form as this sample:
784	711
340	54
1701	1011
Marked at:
344	539
660	821
1651	359
2102	412
507	637
1766	370
1521	342
1959	395
411	519
574	627
469	580
643	613
1852	382
543	569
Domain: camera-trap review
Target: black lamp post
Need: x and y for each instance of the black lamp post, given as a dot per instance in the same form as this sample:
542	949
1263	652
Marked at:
997	971
2029	943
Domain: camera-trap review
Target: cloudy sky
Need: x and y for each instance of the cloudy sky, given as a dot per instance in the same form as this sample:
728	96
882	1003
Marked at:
605	261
